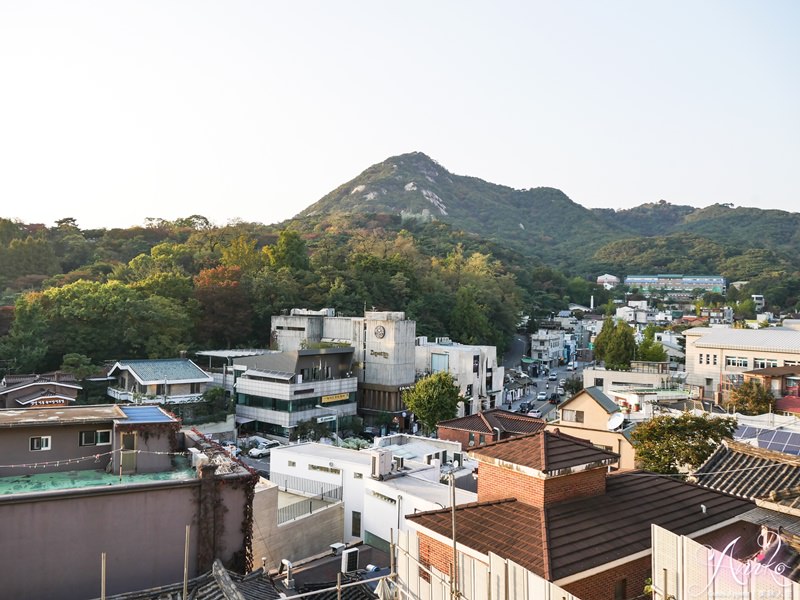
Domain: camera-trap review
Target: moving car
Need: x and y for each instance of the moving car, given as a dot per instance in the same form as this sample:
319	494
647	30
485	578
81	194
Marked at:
553	376
541	396
560	391
263	449
535	413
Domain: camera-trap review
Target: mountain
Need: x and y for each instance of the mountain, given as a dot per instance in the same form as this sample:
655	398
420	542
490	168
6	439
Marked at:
543	223
540	222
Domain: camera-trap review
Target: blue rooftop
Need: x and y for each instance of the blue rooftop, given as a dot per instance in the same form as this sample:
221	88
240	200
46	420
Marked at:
145	414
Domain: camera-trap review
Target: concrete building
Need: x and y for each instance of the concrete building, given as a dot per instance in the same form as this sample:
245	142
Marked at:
383	352
678	287
275	391
78	482
609	282
717	358
377	489
547	347
474	369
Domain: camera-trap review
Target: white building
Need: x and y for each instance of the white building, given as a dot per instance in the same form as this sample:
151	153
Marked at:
717	357
383	351
474	368
376	490
608	281
547	346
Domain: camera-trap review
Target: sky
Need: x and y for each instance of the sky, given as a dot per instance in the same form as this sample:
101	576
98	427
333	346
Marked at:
115	112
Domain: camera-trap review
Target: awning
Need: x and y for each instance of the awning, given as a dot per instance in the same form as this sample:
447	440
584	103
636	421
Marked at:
527	360
243	420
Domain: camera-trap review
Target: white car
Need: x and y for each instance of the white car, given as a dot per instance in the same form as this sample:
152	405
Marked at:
541	396
263	449
560	391
535	413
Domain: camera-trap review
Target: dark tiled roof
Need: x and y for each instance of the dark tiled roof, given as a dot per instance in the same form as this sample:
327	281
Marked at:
607	403
42	395
775	371
486	421
577	535
506	527
15	382
749	472
216	584
164	369
546	451
788	404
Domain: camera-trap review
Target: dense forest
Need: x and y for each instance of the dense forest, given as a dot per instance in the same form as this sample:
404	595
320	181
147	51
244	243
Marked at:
156	290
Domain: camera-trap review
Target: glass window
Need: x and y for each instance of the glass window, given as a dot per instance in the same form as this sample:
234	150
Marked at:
572	416
356	529
40	443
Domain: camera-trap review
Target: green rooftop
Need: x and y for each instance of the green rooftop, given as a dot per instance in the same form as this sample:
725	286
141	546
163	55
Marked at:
65	480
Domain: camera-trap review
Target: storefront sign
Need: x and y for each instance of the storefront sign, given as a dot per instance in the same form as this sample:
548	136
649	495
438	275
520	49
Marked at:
335	398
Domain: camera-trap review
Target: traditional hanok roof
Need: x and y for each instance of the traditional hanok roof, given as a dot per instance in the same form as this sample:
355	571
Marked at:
545	451
216	584
747	471
169	370
574	536
12	383
38	396
488	420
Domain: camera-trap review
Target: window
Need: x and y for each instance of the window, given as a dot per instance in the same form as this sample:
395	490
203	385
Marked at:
598	382
764	363
358	475
292	463
735	361
572	416
481	439
715	360
95	438
620	590
356	529
700	356
40	443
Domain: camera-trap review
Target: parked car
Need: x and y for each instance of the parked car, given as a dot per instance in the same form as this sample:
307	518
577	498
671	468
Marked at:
562	382
263	449
570	367
541	396
535	413
560	391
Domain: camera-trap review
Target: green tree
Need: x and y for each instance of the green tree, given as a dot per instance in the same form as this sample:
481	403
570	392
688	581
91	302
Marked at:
615	344
670	445
751	398
649	349
289	251
433	399
79	365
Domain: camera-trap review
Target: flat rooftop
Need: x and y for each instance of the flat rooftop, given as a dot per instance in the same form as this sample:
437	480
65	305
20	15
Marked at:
325	451
66	480
429	490
76	415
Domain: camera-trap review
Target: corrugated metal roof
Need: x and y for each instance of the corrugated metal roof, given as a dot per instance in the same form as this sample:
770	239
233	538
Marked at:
163	369
776	339
144	414
607	403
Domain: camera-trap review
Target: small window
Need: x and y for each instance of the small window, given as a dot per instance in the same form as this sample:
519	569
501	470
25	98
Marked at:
95	438
358	475
292	463
40	443
700	356
620	589
356	529
481	439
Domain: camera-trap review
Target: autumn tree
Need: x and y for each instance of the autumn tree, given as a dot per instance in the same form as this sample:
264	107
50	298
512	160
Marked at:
433	399
667	444
225	316
751	398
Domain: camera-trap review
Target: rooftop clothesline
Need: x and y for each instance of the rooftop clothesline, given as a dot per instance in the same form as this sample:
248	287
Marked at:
94	457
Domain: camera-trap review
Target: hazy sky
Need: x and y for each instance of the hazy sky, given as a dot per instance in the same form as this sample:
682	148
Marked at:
112	112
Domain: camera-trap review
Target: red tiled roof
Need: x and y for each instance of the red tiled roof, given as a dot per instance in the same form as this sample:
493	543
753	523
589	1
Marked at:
546	451
486	421
577	535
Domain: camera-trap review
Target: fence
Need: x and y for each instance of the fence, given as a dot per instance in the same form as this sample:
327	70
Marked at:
328	492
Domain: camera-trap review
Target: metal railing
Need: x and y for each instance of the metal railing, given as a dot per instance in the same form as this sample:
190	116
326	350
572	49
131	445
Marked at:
328	492
299	508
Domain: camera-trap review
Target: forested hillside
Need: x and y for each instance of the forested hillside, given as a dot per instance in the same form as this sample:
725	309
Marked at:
187	285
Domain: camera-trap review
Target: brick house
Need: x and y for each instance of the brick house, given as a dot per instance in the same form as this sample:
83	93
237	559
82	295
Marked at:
487	427
545	501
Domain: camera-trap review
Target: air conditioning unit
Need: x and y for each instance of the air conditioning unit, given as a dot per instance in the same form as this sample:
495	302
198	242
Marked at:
458	458
399	462
381	464
338	548
350	560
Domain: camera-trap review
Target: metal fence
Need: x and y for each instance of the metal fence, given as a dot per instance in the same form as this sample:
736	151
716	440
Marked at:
300	508
328	492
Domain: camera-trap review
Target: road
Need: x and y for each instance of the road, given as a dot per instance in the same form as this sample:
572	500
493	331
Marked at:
543	384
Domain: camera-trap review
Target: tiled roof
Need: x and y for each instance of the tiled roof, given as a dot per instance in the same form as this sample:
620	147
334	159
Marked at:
17	382
42	395
597	394
486	421
573	536
545	451
775	371
749	472
216	584
164	369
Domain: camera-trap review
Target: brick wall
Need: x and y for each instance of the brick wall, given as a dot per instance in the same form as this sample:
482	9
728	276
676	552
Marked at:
462	437
434	553
604	585
496	482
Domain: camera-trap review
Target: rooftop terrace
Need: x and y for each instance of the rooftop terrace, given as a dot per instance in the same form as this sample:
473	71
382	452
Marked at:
64	480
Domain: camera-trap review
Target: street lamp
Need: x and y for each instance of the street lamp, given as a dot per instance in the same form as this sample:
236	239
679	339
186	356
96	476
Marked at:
336	413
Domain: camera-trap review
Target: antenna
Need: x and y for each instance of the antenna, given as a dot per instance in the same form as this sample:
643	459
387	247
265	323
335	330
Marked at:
615	421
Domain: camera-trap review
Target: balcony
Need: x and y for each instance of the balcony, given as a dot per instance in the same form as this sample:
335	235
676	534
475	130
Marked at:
139	398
